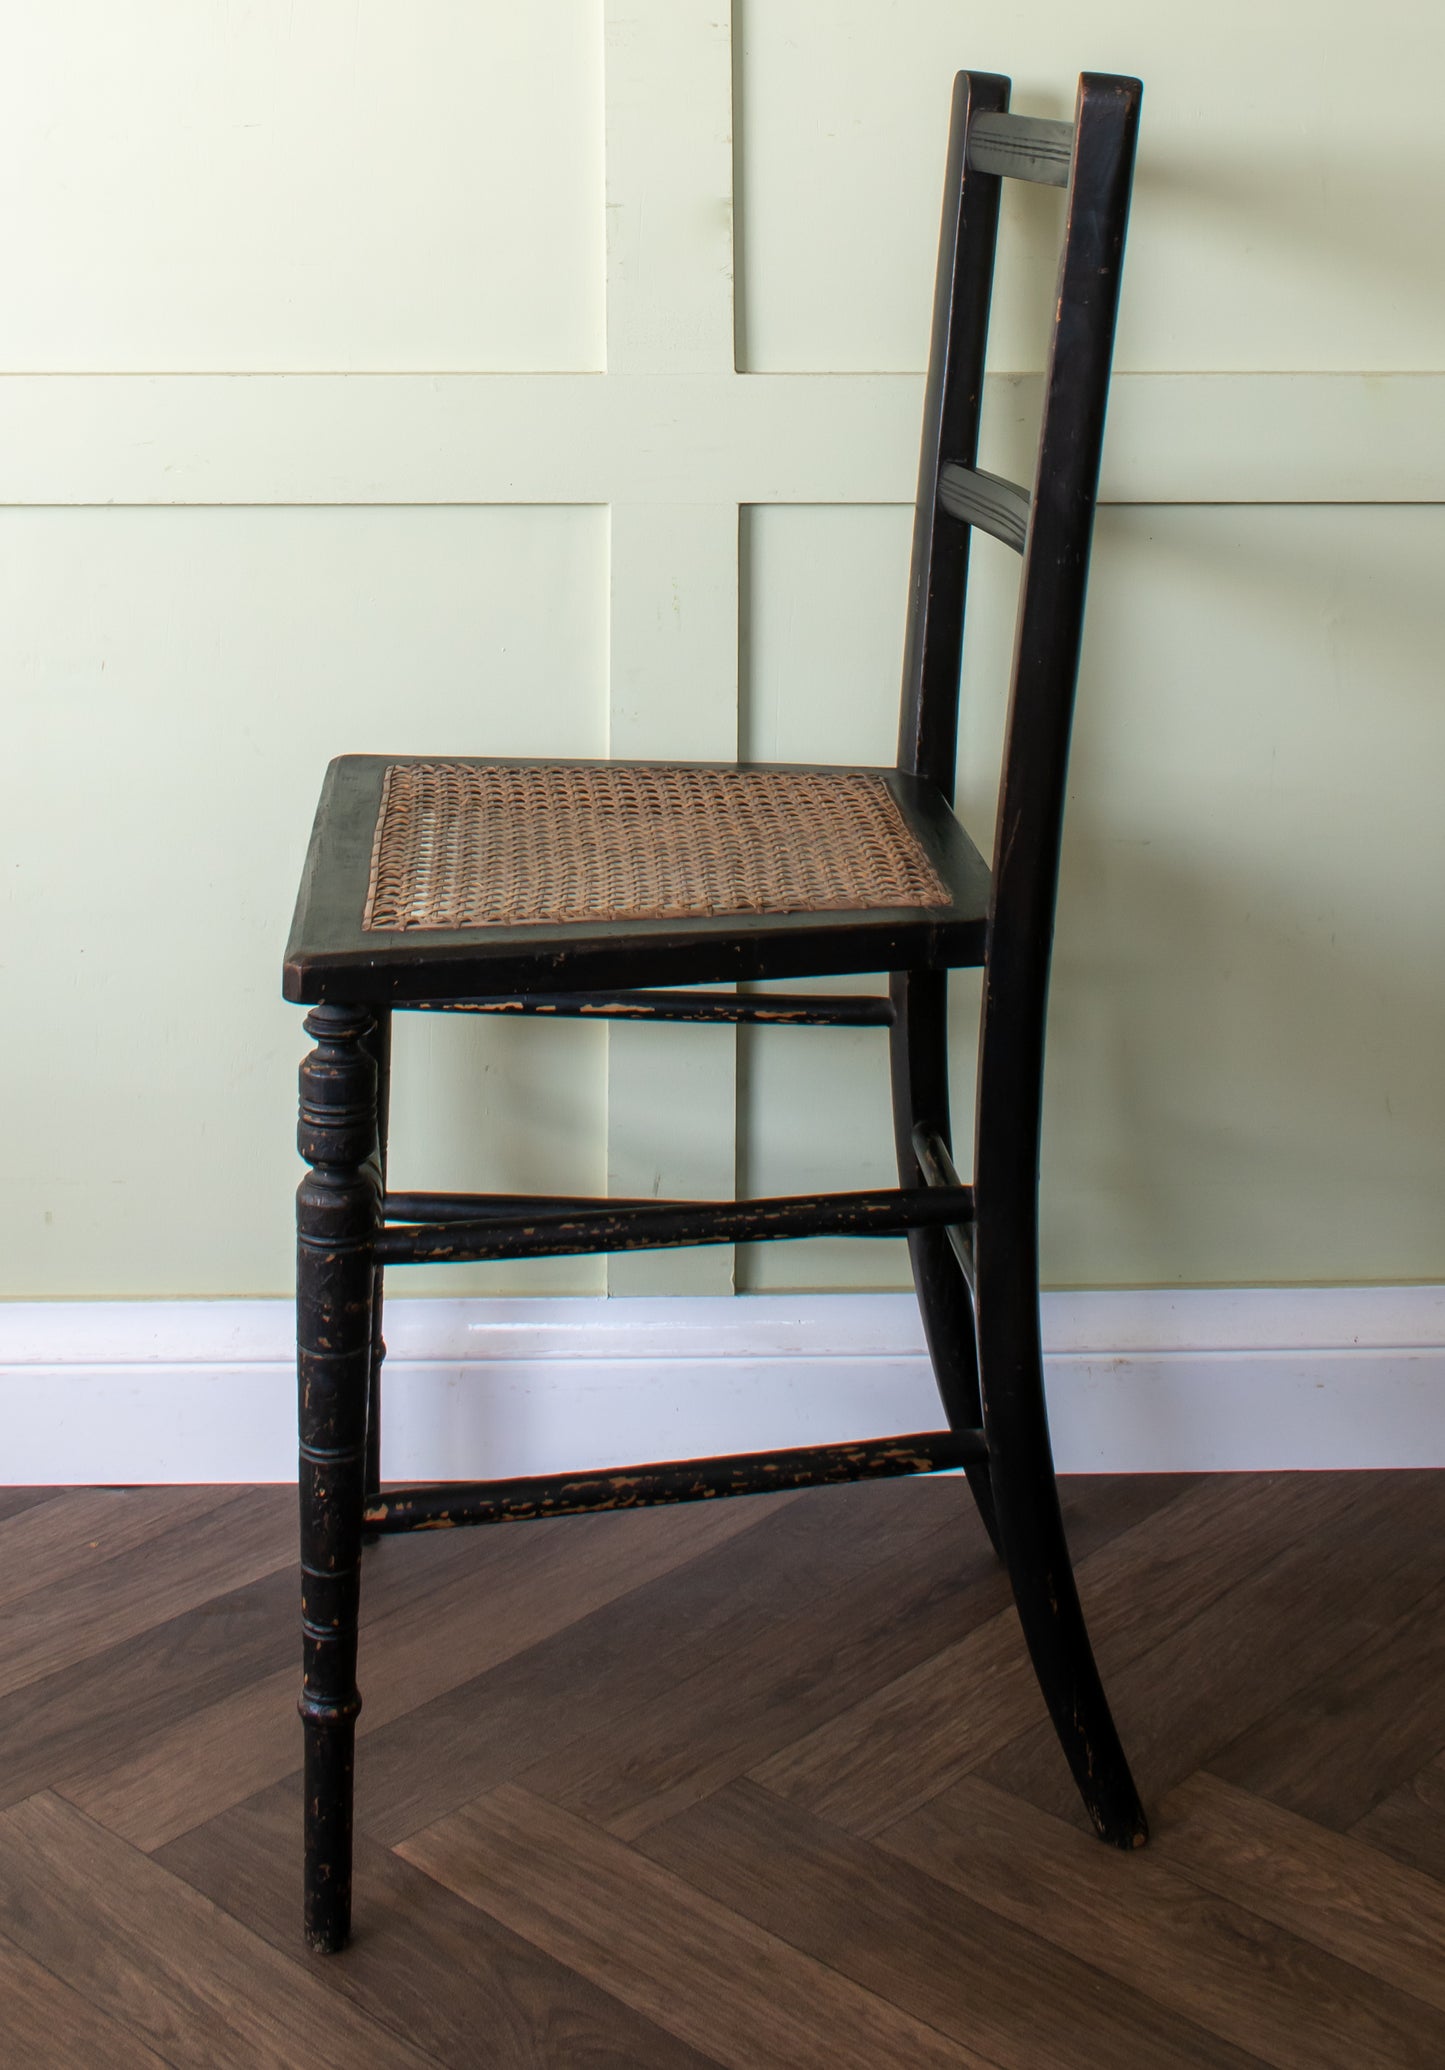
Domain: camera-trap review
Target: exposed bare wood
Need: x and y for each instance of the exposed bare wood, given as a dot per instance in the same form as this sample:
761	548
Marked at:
655	1485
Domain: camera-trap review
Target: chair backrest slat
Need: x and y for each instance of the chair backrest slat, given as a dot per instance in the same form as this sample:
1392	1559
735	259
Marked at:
985	500
1022	147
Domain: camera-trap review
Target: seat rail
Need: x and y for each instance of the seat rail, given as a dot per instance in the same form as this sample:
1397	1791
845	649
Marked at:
770	1009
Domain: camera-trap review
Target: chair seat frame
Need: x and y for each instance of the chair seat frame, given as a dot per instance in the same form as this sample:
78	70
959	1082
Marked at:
973	1246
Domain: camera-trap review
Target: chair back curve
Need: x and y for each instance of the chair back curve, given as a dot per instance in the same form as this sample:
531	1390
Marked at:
1050	525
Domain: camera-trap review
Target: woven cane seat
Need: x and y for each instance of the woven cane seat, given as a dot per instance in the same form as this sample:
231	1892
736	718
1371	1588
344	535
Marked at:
476	844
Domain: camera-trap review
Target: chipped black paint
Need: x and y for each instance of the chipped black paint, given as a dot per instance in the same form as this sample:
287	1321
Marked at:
555	1230
682	1480
773	1009
338	1207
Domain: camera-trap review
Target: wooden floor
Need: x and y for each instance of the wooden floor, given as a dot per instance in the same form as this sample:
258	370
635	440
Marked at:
752	1783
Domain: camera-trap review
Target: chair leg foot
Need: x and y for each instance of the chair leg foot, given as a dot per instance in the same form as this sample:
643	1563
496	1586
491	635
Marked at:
1036	1554
328	1776
337	1215
1058	1643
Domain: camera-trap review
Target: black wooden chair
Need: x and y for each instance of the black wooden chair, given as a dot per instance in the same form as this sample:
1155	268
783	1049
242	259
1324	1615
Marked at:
572	887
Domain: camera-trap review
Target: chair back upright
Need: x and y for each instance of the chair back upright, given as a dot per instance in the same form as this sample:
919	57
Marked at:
952	406
1051	526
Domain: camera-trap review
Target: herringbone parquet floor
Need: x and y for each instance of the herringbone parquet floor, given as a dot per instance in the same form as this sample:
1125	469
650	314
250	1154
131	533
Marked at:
759	1783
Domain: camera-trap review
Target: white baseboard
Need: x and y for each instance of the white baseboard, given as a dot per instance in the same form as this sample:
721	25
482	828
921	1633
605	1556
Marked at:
1239	1379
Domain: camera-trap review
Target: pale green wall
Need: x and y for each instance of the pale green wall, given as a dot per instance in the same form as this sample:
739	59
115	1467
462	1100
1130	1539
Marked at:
207	587
1248	1014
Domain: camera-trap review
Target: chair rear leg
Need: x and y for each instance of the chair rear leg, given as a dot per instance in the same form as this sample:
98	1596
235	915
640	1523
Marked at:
337	1213
948	1328
1035	1550
379	1044
918	1048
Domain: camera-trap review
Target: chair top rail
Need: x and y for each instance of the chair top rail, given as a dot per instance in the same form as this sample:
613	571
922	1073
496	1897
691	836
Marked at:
986	500
1021	147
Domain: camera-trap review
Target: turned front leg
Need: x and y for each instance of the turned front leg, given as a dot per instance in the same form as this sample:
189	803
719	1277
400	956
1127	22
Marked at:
337	1215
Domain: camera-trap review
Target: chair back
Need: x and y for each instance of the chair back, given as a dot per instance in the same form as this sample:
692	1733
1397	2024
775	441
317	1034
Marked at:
1051	526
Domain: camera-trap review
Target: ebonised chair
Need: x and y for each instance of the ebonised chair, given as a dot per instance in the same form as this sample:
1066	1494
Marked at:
571	887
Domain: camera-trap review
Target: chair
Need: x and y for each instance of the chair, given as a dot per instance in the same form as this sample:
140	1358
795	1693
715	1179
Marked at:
604	888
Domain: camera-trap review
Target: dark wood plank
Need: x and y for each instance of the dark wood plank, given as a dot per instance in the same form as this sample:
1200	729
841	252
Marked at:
1410	1823
104	1711
865	1587
250	1535
45	2022
934	1951
513	1589
647	1694
882	1757
1359	1730
718	1982
1137	1918
605	1669
106	1707
1021	1938
15	1500
1340	1893
421	1959
166	1963
84	1527
1193	1690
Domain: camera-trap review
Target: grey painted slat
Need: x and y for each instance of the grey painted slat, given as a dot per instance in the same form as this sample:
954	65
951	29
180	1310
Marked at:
1022	147
985	500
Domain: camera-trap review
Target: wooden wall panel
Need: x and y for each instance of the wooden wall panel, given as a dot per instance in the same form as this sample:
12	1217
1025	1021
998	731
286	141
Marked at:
545	379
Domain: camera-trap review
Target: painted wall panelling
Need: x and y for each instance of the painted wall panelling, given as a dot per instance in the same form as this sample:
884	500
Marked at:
493	477
1286	209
